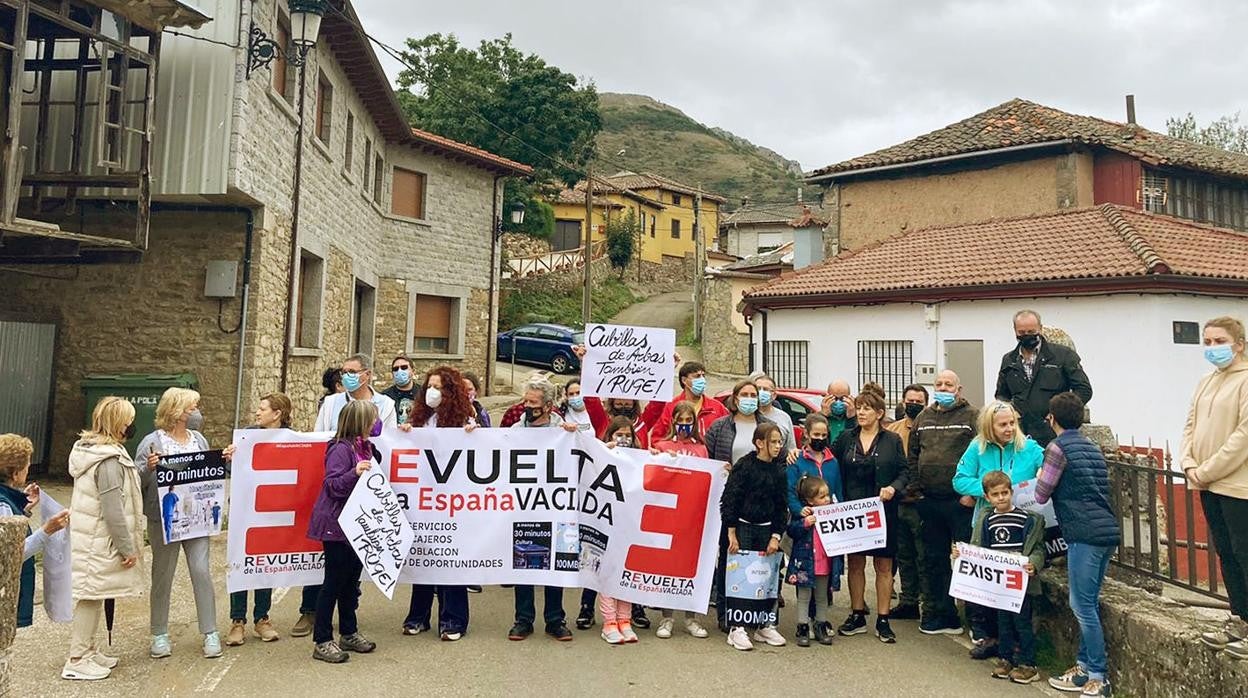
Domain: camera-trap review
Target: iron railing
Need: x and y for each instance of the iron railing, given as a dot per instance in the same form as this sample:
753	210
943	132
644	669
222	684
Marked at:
890	363
1165	535
787	363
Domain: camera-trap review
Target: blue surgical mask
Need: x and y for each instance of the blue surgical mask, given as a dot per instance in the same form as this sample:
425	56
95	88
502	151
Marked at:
684	430
1220	355
352	381
944	399
747	405
838	408
764	398
402	377
697	386
577	403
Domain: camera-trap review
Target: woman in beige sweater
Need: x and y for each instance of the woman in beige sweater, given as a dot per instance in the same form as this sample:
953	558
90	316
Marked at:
1215	460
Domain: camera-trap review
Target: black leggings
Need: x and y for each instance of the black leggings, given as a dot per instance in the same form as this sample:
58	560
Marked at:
342	572
1228	526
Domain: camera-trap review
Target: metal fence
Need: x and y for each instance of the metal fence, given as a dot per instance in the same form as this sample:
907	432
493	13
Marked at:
1165	535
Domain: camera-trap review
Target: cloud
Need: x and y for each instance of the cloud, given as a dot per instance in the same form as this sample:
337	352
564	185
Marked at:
821	82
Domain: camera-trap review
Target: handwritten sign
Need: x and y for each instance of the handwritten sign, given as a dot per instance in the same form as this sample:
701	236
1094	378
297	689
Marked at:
989	578
375	523
1025	499
851	527
191	494
633	363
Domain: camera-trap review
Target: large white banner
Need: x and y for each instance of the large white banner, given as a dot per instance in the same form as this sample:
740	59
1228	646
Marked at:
377	528
634	363
496	506
989	578
851	527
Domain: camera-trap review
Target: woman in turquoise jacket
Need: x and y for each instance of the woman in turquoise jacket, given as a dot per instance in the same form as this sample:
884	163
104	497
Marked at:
1000	445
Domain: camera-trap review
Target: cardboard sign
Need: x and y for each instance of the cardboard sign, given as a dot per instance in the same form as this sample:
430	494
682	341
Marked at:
634	363
378	529
191	494
851	527
751	583
989	578
1025	499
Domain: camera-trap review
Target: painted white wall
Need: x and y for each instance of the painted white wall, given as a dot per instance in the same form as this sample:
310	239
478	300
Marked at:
1142	381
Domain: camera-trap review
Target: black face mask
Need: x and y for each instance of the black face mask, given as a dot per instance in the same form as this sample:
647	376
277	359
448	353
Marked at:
913	410
533	414
818	444
1029	341
129	432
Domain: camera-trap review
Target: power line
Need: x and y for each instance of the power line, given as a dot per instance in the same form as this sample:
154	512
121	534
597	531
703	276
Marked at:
202	38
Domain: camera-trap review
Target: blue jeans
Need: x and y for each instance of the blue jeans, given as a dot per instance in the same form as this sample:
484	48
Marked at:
1085	566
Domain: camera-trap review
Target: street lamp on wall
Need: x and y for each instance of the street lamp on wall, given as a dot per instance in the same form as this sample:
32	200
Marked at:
515	214
305	26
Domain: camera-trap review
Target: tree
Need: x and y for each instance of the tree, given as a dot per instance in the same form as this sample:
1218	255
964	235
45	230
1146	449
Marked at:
622	232
505	101
1225	133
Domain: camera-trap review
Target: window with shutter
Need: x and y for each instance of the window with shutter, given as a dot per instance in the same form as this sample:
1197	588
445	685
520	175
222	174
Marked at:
407	194
432	332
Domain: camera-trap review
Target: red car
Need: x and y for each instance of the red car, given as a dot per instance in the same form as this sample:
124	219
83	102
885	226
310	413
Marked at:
796	402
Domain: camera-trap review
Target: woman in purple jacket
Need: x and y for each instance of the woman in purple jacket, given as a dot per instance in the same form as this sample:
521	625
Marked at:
348	455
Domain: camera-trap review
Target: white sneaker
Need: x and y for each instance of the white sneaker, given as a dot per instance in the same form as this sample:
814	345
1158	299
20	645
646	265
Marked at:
739	639
695	629
101	659
665	628
771	636
84	670
612	635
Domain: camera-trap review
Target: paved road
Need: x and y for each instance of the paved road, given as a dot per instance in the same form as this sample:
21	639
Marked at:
484	663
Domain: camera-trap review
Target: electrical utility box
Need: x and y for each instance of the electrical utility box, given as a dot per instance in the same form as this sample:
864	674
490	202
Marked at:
221	279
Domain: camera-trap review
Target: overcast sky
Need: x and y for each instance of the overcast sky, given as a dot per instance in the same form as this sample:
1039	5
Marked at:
821	81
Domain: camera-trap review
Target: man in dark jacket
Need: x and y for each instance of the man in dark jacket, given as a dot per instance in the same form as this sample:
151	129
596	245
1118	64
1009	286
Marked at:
940	436
1034	372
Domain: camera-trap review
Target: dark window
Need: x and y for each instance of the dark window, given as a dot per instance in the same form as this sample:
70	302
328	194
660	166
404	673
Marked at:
308	310
1196	199
1186	332
362	318
675	229
348	150
786	363
676	199
324	107
887	362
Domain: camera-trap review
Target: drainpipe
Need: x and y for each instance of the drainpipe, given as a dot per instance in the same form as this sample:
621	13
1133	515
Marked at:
764	348
492	347
749	363
291	291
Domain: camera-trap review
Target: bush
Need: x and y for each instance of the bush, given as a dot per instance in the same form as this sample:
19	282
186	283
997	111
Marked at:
621	236
519	307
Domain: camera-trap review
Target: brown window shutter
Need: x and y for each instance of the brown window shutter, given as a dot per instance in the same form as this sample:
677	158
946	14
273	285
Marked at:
282	38
408	195
433	317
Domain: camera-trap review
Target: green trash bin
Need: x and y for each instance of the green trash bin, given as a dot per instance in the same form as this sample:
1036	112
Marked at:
143	390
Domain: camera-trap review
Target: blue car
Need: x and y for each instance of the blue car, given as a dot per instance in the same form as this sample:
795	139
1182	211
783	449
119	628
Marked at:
542	344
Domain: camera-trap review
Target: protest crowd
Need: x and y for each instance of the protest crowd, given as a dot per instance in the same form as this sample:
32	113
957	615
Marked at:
941	475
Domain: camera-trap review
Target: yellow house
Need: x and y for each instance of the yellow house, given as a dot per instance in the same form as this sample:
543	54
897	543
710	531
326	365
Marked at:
662	206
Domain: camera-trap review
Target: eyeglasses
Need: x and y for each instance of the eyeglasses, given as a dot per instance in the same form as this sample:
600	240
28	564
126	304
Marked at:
400	368
351	372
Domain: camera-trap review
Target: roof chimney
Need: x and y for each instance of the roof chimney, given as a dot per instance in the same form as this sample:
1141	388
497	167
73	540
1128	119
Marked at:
1131	109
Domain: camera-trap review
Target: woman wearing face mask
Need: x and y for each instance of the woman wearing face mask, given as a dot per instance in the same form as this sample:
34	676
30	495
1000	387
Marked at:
473	385
445	404
873	464
729	437
177	419
1215	461
574	408
999	445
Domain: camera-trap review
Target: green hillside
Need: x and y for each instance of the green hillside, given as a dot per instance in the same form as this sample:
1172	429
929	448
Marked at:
661	139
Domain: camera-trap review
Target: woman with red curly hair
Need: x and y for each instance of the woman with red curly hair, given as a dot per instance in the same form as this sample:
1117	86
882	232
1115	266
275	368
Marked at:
446	404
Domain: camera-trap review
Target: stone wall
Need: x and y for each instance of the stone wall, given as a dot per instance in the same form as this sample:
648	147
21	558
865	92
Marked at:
724	348
566	281
12	534
520	245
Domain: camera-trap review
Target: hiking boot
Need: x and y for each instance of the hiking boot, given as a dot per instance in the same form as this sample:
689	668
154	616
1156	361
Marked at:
855	624
823	633
1097	687
739	639
802	635
101	659
695	628
237	634
330	652
161	647
1071	681
84	670
1024	674
212	645
904	611
265	631
1237	650
585	619
303	626
560	632
771	636
1001	669
639	617
356	642
941	626
520	630
984	649
665	628
1233	630
884	631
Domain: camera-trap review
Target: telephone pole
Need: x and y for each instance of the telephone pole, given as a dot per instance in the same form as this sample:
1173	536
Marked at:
589	239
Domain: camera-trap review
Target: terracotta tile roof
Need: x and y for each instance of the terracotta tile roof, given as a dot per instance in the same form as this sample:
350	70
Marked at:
782	255
768	215
1059	250
1019	122
649	180
576	197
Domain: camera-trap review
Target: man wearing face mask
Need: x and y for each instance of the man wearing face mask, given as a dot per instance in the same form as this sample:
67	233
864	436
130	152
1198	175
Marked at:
914	400
1035	371
938	439
838	407
357	375
692	378
403	390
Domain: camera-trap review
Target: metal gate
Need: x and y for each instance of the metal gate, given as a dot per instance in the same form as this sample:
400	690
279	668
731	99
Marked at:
26	350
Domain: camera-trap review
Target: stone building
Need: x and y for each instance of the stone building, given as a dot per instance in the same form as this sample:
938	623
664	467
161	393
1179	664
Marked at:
760	229
295	217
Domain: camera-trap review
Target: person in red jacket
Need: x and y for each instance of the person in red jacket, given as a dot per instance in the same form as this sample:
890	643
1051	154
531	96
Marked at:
692	377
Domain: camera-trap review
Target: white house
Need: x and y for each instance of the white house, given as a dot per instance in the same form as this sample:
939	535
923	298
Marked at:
1131	288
